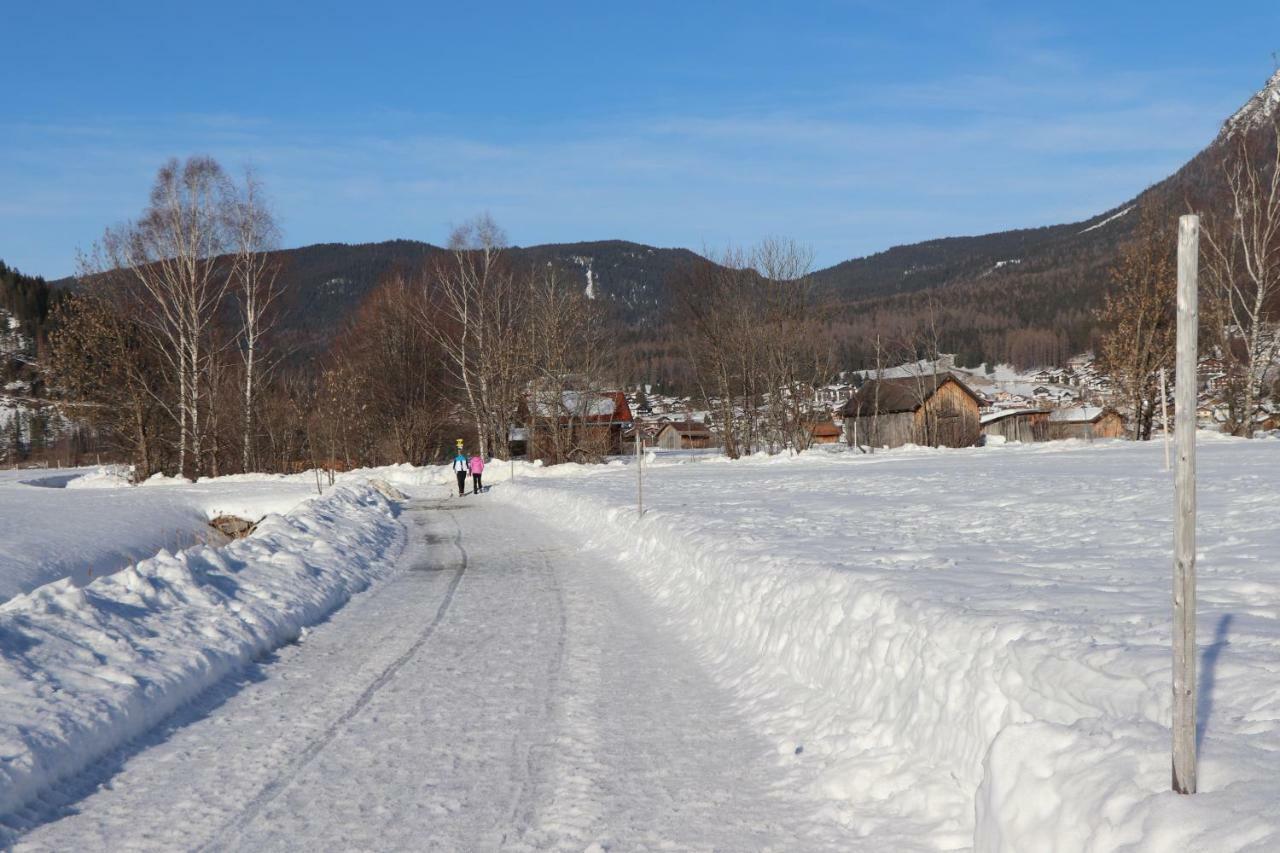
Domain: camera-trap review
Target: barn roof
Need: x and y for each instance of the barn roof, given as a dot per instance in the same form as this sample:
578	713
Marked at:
689	428
1077	414
588	406
1001	414
892	396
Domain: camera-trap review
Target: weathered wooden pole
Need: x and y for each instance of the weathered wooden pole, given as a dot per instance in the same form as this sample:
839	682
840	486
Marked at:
1184	529
1164	414
639	474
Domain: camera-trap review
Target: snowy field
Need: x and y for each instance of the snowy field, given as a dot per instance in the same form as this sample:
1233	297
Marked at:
917	650
85	522
971	648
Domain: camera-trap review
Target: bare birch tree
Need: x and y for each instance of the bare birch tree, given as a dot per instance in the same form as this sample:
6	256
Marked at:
172	255
1242	266
474	313
568	360
254	278
754	339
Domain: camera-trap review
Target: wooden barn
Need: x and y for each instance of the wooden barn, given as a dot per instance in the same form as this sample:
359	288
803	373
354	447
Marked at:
937	411
686	435
1025	425
824	432
1087	422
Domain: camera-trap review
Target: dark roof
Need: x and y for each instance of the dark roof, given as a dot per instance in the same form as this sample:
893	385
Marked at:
891	396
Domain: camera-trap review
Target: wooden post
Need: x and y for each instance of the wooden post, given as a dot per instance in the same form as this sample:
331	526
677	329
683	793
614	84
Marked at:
1184	530
639	475
1164	415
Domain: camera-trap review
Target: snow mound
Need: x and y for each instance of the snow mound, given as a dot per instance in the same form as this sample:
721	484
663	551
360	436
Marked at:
84	669
105	477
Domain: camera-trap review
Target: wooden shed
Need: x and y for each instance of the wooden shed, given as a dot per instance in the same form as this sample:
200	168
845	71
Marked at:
937	410
686	435
1087	422
824	432
1025	425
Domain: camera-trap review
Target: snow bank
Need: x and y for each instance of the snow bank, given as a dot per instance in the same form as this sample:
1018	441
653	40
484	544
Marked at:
84	523
103	477
84	669
972	647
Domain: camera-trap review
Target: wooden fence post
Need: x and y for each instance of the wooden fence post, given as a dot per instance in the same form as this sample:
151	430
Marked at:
1184	530
639	474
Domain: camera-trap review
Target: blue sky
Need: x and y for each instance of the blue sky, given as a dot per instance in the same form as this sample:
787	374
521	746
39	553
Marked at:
849	126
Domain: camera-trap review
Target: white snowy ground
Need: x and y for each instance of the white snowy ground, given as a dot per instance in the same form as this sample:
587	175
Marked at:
80	523
918	650
973	646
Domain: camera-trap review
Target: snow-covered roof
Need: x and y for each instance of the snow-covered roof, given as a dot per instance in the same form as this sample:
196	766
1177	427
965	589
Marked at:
580	403
1006	413
1075	414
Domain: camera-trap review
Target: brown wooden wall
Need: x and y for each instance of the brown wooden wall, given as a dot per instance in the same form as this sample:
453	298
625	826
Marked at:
1109	425
1027	427
949	418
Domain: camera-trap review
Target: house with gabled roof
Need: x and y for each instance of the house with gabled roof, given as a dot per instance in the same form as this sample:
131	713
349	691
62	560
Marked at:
936	410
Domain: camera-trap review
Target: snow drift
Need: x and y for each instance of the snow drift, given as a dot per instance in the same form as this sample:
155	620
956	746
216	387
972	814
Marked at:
85	668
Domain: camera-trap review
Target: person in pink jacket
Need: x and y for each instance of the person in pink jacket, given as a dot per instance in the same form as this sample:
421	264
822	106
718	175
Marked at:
477	468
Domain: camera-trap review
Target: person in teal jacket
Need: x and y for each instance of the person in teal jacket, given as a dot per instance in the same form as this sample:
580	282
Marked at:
461	468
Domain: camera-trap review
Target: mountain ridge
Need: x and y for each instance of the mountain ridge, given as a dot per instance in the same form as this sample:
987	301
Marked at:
992	289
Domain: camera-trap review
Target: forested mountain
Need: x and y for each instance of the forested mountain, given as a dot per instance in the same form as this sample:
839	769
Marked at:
1025	296
28	300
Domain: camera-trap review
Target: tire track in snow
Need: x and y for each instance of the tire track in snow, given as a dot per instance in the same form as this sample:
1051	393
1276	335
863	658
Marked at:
226	836
525	750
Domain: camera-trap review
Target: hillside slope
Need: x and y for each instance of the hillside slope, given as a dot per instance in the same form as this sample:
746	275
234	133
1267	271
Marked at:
1021	295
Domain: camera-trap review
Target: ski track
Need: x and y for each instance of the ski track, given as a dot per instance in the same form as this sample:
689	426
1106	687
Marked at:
505	689
273	790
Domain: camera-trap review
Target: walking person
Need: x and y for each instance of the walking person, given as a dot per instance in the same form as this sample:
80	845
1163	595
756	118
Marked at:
477	468
461	469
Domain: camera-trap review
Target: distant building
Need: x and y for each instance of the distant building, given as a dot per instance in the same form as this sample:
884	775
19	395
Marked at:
937	410
1087	422
825	432
575	425
1025	425
687	435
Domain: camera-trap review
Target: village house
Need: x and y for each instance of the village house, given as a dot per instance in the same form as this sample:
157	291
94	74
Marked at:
1087	422
937	410
831	394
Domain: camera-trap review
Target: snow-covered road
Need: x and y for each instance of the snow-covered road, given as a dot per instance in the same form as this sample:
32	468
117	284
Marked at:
502	690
